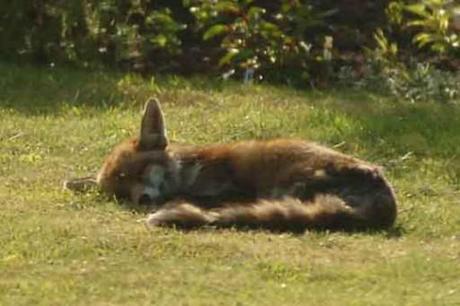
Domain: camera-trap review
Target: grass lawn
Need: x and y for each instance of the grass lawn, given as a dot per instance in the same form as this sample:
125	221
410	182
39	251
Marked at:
59	248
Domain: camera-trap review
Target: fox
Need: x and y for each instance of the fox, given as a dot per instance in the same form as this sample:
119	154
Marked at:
276	184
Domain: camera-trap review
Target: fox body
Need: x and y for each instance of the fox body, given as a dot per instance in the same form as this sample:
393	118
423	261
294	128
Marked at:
276	184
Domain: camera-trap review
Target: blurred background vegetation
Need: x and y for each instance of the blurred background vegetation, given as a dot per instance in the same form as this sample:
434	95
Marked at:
408	48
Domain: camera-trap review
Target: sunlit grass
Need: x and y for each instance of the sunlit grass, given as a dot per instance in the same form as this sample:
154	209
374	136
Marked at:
59	248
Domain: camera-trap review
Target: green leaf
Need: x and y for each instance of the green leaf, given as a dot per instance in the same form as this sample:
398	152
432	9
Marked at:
215	30
423	39
227	6
160	40
416	23
227	58
270	27
255	12
418	9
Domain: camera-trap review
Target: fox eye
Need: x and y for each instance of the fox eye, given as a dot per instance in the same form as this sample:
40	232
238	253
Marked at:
121	175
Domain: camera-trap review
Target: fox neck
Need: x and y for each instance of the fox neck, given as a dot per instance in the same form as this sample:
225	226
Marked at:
187	174
198	179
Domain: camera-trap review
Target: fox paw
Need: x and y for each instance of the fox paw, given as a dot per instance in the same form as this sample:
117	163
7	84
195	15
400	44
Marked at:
157	218
183	215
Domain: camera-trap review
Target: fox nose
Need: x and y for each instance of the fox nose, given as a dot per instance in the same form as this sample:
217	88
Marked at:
144	199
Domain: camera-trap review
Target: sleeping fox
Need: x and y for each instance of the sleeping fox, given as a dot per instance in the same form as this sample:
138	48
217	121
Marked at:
280	184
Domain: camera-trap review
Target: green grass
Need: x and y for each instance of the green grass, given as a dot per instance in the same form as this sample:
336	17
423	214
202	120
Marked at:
59	248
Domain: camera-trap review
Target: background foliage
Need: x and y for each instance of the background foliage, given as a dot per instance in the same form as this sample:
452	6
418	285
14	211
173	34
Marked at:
298	42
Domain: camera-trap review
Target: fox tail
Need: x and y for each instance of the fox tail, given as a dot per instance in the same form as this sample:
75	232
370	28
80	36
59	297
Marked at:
288	214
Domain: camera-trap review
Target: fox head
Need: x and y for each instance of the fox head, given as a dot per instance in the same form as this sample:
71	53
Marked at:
140	169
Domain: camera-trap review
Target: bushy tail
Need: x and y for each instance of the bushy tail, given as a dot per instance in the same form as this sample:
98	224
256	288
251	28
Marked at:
287	214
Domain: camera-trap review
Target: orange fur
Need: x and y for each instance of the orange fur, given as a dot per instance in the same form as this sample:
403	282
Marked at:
281	183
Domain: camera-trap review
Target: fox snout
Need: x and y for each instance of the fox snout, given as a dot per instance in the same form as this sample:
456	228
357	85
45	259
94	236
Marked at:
139	194
152	188
140	189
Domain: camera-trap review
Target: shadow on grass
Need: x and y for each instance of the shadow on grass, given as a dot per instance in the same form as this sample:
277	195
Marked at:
425	131
420	128
38	91
395	232
388	127
391	233
48	91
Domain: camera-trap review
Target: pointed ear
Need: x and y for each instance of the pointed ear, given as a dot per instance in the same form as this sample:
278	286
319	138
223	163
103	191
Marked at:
80	184
153	129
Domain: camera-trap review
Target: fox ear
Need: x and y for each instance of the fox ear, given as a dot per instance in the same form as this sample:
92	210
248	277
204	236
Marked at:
153	129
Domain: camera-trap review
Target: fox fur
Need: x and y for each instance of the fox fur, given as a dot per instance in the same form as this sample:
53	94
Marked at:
279	184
